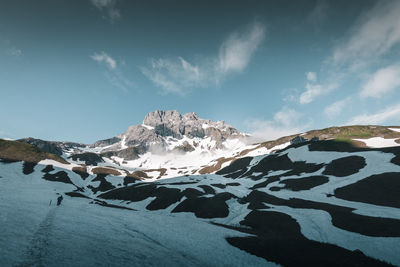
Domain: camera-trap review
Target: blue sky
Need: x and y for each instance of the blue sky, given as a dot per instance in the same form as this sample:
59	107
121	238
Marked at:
86	70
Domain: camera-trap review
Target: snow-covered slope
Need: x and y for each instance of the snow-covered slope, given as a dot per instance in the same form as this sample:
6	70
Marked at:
168	144
311	204
79	232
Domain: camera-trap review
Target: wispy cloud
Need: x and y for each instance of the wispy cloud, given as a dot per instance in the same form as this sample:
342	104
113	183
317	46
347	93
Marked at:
376	32
103	57
179	76
335	109
235	53
389	115
285	122
176	76
383	81
109	6
290	94
311	76
113	73
314	89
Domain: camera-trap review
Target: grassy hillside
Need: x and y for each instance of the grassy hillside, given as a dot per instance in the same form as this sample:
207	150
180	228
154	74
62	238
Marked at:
343	134
14	150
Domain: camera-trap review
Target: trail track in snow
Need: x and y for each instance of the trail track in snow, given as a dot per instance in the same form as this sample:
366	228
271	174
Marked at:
39	244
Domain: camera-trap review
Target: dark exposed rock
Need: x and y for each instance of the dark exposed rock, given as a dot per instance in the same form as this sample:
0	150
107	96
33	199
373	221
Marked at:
130	153
185	147
60	176
130	180
207	189
76	194
305	183
277	238
88	157
28	167
342	217
106	142
345	166
298	140
236	168
104	184
206	207
81	171
46	146
277	162
48	168
380	189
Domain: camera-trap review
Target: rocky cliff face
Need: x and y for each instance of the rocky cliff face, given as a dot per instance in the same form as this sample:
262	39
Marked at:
51	146
172	123
158	126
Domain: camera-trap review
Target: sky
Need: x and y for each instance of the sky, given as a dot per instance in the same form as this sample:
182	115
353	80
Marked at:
86	70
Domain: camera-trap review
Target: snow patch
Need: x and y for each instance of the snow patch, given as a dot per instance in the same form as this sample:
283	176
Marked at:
205	126
148	127
379	142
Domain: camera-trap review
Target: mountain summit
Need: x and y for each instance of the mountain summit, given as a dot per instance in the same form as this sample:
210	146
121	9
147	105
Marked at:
167	130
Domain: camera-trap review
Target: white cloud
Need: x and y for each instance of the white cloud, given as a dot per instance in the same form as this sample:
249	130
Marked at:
384	116
313	89
311	76
113	73
179	76
382	82
109	6
105	58
236	52
287	117
175	76
336	108
375	34
265	130
285	122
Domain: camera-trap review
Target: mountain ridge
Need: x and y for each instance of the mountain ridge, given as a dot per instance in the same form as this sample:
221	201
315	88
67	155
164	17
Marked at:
188	157
158	126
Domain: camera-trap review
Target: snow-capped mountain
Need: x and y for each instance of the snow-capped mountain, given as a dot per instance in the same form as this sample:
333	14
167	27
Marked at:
168	144
182	144
169	131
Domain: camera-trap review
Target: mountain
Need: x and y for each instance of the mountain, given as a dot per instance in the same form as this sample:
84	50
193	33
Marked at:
164	129
179	190
312	203
175	144
165	139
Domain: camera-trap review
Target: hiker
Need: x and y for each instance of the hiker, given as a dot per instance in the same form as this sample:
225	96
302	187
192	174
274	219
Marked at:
59	199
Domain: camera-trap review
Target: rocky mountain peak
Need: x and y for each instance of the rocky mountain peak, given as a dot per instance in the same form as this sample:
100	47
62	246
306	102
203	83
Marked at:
160	126
190	117
159	117
172	123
